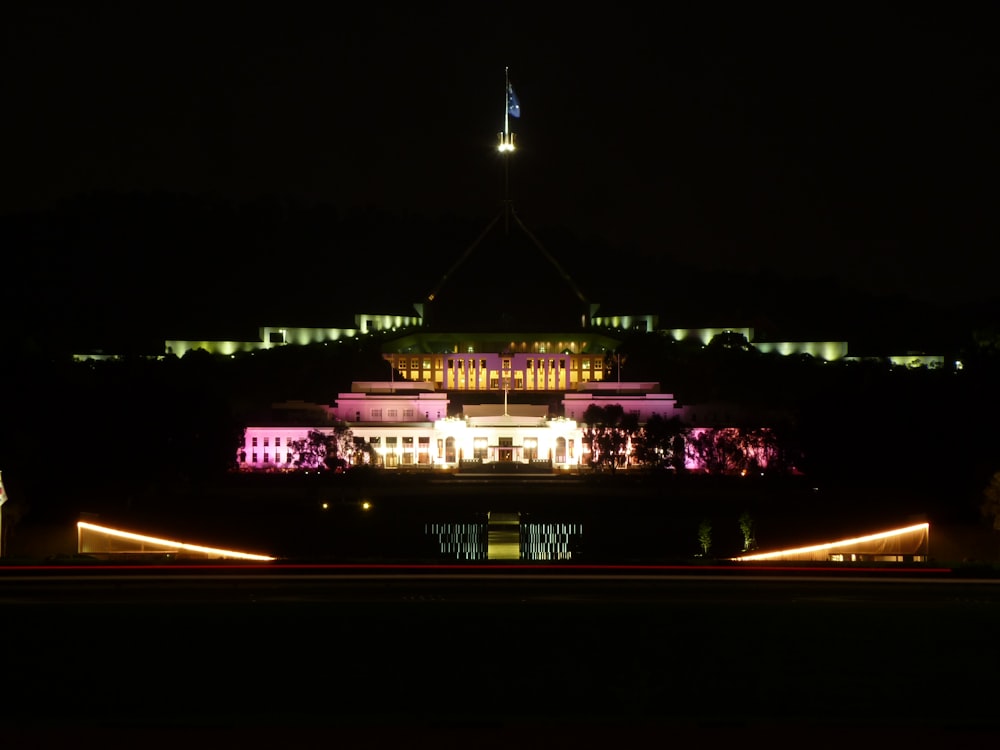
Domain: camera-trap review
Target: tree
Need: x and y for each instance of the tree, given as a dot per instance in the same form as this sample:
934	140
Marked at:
705	536
609	431
660	442
746	527
991	501
730	341
718	450
731	450
617	360
760	449
324	450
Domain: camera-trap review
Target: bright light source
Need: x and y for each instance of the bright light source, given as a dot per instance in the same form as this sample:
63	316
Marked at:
920	527
173	546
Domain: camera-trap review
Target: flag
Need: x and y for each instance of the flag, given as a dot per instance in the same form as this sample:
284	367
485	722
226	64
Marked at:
3	492
513	105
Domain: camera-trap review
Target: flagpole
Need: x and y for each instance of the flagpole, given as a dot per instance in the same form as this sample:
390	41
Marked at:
506	163
506	103
506	147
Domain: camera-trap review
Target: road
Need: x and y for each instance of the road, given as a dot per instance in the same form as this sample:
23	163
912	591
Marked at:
492	653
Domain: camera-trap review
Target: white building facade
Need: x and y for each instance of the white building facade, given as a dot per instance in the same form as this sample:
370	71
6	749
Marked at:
406	425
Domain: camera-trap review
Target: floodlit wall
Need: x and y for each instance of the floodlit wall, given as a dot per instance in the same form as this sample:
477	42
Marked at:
828	351
268	338
705	335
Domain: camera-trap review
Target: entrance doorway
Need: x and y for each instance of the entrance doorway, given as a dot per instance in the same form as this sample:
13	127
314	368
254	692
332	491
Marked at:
505	452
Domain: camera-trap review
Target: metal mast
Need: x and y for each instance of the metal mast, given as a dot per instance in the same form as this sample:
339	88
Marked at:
511	107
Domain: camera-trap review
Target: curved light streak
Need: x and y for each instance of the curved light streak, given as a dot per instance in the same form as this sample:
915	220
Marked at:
831	545
169	543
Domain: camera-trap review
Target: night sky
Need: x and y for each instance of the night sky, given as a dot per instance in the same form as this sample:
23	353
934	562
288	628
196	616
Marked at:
854	141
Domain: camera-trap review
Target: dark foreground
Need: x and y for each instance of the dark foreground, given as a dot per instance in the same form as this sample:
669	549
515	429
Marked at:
377	518
496	654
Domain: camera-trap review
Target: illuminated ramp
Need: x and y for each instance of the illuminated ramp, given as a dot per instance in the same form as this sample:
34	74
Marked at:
503	536
905	544
107	543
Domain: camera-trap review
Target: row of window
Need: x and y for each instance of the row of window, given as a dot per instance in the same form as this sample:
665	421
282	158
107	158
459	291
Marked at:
253	442
288	457
392	413
416	363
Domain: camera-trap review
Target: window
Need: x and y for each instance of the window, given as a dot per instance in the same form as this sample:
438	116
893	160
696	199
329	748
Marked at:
586	364
392	413
530	448
530	364
479	448
482	364
506	363
427	363
415	363
255	458
277	442
288	458
267	457
598	364
407	413
266	442
376	413
494	383
255	444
